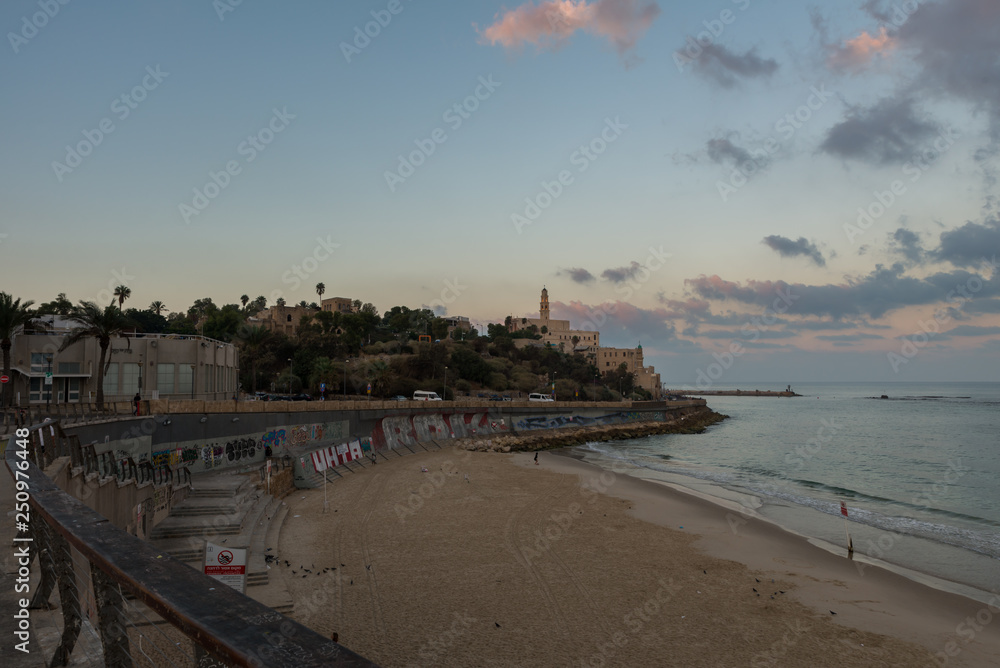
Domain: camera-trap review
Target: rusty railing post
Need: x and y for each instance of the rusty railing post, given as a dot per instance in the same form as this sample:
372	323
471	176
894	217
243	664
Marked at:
111	619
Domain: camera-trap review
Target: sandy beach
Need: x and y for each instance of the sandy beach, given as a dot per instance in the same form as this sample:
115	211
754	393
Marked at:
486	559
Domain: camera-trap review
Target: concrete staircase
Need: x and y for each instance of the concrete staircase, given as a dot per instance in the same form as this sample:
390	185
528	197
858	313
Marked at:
226	508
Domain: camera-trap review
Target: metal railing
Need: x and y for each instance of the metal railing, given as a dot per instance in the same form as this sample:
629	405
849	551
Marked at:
108	598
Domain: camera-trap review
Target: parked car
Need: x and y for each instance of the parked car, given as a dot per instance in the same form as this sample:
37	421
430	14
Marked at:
399	397
426	395
537	396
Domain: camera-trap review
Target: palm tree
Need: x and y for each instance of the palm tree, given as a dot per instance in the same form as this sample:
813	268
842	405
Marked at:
281	301
157	307
244	299
123	292
13	316
261	302
253	338
320	289
103	324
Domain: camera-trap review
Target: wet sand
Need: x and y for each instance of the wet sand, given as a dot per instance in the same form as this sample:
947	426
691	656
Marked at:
489	560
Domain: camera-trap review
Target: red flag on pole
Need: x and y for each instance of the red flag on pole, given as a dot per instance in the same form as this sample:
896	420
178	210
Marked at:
843	509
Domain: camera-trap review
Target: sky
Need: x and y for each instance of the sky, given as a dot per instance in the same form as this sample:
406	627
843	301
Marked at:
754	191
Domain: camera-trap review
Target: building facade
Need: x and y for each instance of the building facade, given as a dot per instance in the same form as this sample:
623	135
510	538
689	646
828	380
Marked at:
610	359
155	366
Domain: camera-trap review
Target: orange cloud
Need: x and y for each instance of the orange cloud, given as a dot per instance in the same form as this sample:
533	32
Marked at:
857	53
549	24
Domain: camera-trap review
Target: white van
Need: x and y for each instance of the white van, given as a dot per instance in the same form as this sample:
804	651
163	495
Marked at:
535	396
426	395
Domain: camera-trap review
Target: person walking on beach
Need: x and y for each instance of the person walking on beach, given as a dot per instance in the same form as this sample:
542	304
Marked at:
536	458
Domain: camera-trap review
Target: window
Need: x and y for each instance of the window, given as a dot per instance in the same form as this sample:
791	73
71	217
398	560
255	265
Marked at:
165	379
208	378
185	380
130	379
69	367
111	379
39	391
41	362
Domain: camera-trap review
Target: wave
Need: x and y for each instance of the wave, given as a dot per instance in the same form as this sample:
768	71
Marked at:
986	542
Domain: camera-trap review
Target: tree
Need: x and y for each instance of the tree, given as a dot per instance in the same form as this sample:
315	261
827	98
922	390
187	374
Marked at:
244	299
146	321
58	306
320	289
103	324
252	339
280	301
123	292
260	303
158	307
222	324
13	316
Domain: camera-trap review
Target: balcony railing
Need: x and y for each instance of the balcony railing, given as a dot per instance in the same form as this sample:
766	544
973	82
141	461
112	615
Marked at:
121	602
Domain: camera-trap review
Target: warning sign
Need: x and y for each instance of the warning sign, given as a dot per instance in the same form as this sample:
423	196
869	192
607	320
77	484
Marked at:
228	565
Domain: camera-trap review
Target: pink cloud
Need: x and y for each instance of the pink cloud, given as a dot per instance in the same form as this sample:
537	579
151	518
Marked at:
549	24
856	54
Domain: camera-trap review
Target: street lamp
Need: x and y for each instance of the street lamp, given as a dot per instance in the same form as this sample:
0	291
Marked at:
289	375
444	394
595	386
554	374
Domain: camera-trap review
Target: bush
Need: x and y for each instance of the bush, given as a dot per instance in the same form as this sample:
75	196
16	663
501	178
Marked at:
497	382
463	385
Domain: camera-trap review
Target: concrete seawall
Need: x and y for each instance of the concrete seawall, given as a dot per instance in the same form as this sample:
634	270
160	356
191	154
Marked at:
206	436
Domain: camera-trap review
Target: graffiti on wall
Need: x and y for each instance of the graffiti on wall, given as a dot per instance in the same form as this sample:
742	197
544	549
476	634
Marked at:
275	438
212	455
556	421
241	448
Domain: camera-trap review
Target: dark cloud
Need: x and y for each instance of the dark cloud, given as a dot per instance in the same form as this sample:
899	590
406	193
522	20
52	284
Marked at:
749	333
577	274
724	151
727	68
969	244
832	325
907	243
621	274
785	247
623	324
889	132
957	46
849	338
983	306
871	296
972	330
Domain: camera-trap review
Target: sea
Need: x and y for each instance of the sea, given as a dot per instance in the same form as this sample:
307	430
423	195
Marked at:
917	466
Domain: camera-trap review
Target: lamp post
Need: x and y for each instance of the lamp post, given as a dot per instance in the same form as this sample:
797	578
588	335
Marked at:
554	374
444	394
289	375
345	377
595	386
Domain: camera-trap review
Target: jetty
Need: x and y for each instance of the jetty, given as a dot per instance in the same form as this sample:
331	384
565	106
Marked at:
788	392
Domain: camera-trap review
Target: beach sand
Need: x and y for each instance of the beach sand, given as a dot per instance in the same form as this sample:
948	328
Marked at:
489	560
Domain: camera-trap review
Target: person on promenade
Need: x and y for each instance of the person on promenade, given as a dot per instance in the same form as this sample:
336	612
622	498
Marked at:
536	458
135	400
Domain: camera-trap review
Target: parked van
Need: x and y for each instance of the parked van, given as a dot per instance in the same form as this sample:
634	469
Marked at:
535	396
426	395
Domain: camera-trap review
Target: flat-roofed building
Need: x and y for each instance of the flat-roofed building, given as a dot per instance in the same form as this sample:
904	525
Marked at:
152	365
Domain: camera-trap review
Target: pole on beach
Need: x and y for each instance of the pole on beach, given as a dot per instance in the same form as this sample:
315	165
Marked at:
324	490
850	543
